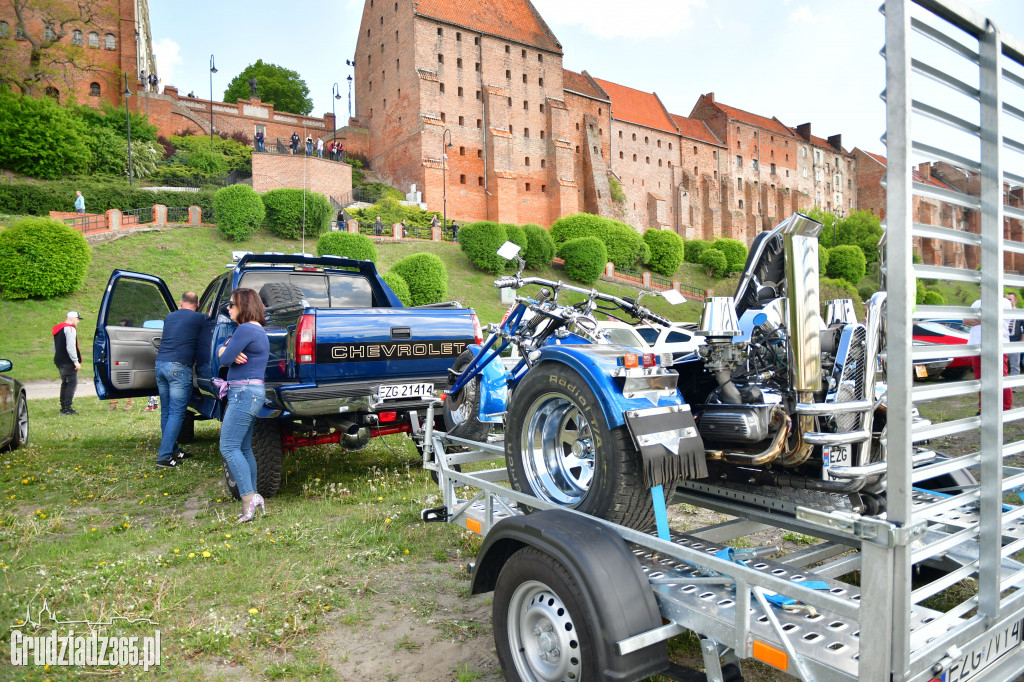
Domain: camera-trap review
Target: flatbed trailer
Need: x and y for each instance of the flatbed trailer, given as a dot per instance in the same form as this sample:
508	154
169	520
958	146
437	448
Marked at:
579	598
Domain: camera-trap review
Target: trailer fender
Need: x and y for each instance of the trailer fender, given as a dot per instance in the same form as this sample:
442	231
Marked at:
618	598
493	389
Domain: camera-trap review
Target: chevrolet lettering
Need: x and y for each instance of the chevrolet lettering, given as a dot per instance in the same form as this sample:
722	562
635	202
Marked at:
389	350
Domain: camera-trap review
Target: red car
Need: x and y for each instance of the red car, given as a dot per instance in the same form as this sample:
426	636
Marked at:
949	332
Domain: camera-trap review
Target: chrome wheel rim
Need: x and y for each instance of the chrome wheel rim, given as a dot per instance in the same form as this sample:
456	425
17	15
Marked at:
558	450
22	425
542	635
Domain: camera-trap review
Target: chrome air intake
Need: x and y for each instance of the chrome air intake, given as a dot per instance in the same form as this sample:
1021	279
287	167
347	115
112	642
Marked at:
801	243
840	310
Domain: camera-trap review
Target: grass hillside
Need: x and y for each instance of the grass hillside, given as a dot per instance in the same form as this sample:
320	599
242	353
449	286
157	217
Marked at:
188	258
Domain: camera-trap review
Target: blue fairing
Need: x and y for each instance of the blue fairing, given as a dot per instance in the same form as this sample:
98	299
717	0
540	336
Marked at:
596	364
493	389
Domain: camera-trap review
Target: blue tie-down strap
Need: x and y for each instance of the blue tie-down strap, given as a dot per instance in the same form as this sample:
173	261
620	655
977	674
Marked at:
730	554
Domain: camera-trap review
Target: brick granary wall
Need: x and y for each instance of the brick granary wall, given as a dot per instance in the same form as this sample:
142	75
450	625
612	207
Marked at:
273	171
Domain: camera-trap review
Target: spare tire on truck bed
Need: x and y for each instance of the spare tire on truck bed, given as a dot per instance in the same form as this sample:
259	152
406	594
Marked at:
276	294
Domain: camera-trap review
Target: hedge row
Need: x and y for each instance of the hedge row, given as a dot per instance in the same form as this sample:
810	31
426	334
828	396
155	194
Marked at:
733	249
39	198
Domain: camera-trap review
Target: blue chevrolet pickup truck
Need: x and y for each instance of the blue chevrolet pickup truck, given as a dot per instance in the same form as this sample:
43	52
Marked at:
347	360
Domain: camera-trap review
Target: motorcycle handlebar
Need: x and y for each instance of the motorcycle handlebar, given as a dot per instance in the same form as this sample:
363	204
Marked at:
637	311
507	282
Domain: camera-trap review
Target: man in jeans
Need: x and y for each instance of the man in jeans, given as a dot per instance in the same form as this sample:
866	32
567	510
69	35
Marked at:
174	362
68	359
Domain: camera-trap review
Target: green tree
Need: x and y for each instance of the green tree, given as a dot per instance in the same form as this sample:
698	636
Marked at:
275	84
46	26
846	262
40	138
860	229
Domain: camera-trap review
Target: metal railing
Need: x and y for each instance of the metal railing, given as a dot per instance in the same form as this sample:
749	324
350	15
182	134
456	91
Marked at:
629	275
89	222
137	216
417	232
177	214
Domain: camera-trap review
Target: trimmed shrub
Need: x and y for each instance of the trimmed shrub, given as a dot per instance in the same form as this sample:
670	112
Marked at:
715	261
932	297
865	292
347	244
734	250
239	211
517	236
41	258
847	262
399	286
426	276
575	226
540	248
481	241
666	251
822	260
285	212
624	245
585	258
692	249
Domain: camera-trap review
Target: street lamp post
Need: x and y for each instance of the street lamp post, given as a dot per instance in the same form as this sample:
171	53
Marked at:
352	63
213	70
128	126
336	91
444	177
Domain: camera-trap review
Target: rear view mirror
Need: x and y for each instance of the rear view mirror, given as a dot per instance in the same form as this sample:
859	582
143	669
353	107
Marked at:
509	250
6	365
673	297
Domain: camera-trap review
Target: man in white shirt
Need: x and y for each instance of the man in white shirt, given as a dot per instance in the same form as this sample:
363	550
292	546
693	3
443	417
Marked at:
68	359
975	337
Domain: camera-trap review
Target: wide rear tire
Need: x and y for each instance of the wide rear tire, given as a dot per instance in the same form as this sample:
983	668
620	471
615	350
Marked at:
268	450
559	448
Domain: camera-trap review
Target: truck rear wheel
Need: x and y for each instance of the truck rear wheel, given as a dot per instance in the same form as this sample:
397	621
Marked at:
558	447
461	412
540	630
268	449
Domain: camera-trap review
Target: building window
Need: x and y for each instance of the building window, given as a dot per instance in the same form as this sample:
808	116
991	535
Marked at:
479	181
442	88
540	82
526	132
542	163
577	149
369	59
849	184
19	31
94	89
524	77
398	63
542	134
773	169
714	174
634	158
659	163
458	36
620	155
53	92
440	59
695	173
526	105
524	54
440	32
508	49
620	134
646	140
442	113
477	95
396	36
739	184
478	67
648	159
94	39
754	164
527	187
542	108
741	203
509	128
527	161
48	33
479	153
543	188
462	121
460	91
634	137
787	157
599	113
462	179
479	123
508	75
694	149
476	40
458	62
739	162
76	35
659	144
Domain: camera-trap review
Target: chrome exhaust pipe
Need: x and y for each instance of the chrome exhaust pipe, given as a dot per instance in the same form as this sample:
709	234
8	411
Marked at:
354	436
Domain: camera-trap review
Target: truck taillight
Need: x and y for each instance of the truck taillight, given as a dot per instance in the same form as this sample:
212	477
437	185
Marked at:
305	339
478	332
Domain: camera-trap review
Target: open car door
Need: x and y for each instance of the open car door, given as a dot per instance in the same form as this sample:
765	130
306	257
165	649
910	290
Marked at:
128	331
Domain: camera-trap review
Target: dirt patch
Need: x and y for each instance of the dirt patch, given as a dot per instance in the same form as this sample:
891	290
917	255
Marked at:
417	624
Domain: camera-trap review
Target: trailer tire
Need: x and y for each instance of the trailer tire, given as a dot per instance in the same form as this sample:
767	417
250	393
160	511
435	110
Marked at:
558	447
268	449
540	628
462	412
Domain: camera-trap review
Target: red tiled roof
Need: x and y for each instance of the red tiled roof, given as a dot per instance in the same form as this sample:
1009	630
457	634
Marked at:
577	82
695	129
636	106
754	119
918	177
513	19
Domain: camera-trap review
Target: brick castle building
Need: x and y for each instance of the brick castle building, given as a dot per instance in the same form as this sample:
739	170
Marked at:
531	141
98	42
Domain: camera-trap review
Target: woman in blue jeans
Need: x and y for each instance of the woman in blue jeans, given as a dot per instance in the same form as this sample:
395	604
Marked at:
245	355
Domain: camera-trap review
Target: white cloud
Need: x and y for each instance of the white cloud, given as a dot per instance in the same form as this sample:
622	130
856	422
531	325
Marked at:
643	20
805	15
168	59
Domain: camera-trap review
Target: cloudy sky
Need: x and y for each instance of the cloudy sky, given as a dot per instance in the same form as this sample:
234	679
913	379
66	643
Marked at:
799	60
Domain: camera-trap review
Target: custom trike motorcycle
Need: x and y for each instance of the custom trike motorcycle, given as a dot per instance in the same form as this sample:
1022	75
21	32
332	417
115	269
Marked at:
776	396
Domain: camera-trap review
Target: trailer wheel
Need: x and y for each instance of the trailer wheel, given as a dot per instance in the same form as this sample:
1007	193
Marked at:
540	630
268	450
462	412
558	447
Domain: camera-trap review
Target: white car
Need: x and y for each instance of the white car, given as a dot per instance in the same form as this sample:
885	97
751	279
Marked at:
675	339
623	334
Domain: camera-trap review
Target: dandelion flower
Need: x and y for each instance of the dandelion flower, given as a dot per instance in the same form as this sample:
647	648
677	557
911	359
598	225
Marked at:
206	555
387	520
253	611
406	551
227	536
176	551
191	555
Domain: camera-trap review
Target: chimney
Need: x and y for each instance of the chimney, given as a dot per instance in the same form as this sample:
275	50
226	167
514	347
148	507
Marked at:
925	170
836	142
710	97
804	131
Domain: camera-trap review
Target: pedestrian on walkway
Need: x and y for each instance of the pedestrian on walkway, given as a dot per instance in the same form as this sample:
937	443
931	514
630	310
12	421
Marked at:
309	145
975	338
259	141
1015	327
455	231
320	147
295	143
378	227
330	150
68	359
79	202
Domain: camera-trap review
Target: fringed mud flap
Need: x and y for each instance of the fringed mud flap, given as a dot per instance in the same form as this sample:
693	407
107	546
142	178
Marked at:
670	447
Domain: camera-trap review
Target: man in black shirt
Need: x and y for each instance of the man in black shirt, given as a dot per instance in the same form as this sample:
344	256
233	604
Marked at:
174	362
68	359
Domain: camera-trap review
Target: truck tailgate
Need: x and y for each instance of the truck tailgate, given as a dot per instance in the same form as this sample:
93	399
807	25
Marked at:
389	343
